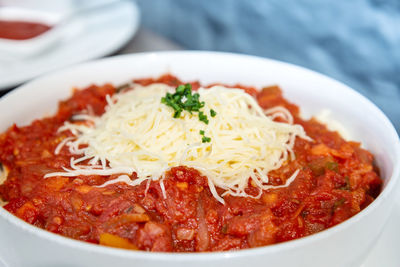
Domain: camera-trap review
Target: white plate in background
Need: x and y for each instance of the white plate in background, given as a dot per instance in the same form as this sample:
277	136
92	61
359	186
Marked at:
89	37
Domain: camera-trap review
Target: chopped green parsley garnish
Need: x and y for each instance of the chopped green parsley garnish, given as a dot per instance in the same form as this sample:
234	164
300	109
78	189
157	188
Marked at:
213	113
184	99
204	139
203	117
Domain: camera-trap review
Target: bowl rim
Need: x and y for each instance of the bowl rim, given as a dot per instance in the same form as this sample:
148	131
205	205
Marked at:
206	256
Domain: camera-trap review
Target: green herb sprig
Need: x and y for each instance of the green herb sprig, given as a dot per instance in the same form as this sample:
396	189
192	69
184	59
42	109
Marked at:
204	139
185	99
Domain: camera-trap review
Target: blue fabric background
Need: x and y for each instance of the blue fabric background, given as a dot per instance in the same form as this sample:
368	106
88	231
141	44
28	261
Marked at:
356	42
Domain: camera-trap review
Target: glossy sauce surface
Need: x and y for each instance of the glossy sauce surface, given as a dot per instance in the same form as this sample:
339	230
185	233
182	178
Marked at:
337	179
21	30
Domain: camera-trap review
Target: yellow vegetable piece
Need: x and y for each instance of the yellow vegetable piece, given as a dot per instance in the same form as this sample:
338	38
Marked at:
115	241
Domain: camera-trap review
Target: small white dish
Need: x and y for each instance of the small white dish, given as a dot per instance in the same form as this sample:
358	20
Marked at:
84	38
20	49
60	24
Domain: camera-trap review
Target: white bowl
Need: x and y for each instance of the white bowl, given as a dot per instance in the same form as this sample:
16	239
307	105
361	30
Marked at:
343	245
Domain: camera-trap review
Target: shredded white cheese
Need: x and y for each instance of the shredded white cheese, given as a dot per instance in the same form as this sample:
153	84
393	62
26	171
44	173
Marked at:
138	133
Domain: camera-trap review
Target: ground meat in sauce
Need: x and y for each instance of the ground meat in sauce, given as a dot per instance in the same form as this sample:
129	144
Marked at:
337	179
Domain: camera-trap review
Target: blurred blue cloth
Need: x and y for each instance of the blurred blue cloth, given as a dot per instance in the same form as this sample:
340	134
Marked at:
356	42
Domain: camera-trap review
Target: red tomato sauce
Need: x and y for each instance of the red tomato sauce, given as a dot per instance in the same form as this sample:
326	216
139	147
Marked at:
337	179
21	30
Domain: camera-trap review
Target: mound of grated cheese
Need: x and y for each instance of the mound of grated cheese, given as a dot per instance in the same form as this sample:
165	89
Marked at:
137	133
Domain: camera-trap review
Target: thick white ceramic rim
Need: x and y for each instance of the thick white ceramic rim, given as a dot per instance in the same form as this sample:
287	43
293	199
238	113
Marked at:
207	256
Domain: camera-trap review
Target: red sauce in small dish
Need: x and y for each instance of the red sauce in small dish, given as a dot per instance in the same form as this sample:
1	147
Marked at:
21	30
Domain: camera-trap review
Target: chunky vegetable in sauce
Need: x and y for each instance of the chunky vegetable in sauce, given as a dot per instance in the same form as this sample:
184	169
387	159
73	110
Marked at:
337	179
